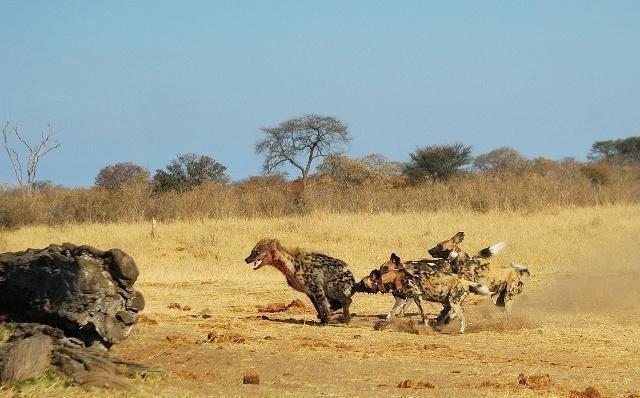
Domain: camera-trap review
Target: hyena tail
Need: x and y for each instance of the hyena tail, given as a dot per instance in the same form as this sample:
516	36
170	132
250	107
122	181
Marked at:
479	288
521	269
492	250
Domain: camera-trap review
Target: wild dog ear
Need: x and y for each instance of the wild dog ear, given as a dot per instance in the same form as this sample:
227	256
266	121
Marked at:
395	259
375	274
457	238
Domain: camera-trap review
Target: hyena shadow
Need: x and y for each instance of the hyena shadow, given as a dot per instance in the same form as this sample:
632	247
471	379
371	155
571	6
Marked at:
356	321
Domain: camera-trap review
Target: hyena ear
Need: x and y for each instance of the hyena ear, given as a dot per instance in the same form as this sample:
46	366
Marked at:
395	259
273	245
457	238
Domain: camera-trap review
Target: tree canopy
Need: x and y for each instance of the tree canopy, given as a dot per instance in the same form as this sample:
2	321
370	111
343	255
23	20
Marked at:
440	162
616	151
121	174
500	159
300	141
188	171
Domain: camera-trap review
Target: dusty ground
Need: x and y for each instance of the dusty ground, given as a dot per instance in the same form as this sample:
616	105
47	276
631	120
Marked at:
576	325
209	348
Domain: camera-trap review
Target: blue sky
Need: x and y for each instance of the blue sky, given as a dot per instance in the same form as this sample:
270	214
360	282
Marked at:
142	81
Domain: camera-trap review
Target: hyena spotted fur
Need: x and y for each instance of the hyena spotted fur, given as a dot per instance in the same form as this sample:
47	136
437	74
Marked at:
327	281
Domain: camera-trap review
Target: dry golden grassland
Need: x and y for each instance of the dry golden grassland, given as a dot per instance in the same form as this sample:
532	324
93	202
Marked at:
578	319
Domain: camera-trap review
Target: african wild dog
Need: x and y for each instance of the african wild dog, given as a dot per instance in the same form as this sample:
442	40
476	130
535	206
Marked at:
424	281
327	281
506	282
455	256
395	264
449	263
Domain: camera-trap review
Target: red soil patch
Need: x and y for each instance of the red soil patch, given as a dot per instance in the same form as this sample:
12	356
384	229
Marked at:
281	307
251	378
213	337
408	383
535	382
589	392
178	340
147	321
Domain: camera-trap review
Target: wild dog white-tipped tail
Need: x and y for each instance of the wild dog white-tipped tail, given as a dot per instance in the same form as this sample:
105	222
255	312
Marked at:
479	288
497	248
522	269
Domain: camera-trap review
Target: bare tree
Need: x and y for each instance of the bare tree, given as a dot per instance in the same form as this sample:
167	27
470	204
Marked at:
300	141
26	178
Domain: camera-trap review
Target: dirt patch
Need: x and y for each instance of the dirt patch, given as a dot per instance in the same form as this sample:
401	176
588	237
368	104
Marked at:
145	320
235	338
251	378
535	382
416	384
179	340
490	384
294	306
589	392
405	325
174	306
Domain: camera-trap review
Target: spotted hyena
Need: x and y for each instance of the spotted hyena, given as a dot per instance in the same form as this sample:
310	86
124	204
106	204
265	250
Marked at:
420	279
327	281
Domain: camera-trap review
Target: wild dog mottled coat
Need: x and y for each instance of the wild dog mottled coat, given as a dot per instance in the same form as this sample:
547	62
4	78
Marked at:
506	282
421	279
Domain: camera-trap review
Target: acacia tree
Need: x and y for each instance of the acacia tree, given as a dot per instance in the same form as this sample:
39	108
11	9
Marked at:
26	172
380	164
300	141
616	151
500	159
121	174
437	161
187	171
347	171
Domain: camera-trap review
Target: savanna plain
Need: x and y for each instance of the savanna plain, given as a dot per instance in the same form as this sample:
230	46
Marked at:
210	319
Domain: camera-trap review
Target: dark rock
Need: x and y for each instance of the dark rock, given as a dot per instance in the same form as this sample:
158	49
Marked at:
86	292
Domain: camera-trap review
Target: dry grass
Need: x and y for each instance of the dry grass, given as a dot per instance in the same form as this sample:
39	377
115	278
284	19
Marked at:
577	319
557	185
214	249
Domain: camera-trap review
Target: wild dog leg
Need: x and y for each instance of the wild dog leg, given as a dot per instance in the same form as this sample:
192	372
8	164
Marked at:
403	310
508	304
511	293
455	301
419	304
444	316
458	310
399	303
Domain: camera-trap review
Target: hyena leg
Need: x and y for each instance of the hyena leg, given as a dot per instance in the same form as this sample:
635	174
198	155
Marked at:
419	304
321	303
399	303
346	315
